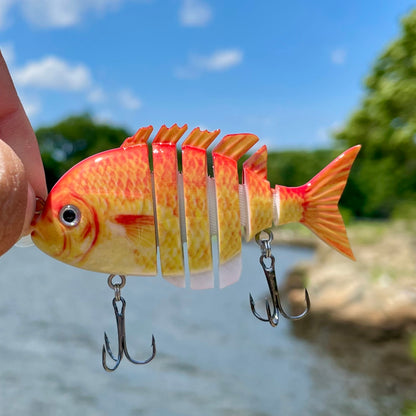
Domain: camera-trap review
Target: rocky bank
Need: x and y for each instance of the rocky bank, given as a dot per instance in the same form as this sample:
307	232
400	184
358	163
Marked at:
375	295
363	313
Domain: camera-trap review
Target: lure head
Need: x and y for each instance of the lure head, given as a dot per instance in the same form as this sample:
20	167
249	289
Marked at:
99	216
67	227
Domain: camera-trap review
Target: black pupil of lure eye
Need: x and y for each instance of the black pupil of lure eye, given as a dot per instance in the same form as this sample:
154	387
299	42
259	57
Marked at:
69	215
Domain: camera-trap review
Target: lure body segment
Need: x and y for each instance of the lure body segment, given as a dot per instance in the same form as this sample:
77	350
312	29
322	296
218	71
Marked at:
110	213
259	195
196	206
165	175
225	156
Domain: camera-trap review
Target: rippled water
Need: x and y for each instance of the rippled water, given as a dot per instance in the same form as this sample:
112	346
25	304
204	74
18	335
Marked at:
213	356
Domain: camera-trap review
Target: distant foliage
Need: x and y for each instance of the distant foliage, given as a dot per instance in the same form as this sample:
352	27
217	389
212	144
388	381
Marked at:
73	139
384	179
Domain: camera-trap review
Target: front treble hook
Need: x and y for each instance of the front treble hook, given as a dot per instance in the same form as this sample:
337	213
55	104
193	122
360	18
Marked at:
270	273
121	331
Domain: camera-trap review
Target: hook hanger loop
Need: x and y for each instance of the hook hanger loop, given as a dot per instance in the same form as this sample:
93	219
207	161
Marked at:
116	286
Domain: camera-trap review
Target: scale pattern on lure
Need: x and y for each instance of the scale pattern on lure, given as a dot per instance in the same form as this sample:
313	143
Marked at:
109	213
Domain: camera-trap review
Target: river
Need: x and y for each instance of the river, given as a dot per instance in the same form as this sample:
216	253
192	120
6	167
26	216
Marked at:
214	357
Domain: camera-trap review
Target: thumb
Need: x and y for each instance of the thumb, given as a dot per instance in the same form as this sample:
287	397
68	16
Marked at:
13	197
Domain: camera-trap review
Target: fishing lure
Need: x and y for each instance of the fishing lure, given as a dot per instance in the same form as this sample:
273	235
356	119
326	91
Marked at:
110	213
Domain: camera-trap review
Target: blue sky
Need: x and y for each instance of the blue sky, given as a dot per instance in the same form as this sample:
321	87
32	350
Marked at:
288	71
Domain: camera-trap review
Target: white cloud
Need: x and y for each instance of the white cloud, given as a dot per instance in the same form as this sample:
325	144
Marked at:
52	13
220	60
194	13
5	6
7	50
52	73
338	56
325	134
32	105
55	13
128	100
96	95
104	117
186	72
55	74
322	134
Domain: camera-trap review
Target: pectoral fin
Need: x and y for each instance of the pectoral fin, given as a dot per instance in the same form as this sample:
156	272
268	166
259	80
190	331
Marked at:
140	229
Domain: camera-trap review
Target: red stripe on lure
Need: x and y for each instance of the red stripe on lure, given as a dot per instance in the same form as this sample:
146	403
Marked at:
110	212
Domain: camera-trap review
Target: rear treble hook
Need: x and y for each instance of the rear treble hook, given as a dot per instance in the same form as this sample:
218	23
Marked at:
121	330
270	273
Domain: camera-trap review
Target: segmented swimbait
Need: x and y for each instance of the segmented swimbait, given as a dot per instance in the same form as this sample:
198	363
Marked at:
109	213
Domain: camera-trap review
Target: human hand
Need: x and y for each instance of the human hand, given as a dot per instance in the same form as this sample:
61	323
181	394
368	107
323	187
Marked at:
22	177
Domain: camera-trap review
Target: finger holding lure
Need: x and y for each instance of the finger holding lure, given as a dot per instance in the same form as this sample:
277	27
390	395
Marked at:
110	213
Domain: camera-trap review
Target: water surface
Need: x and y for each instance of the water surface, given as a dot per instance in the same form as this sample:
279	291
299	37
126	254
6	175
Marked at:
214	357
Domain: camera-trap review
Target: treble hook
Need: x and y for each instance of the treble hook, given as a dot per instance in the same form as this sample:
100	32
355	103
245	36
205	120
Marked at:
121	331
270	273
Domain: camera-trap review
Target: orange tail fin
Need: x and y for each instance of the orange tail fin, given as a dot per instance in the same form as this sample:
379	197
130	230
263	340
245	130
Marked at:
315	204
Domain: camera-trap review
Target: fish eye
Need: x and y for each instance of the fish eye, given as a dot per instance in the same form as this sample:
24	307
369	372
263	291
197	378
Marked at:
70	215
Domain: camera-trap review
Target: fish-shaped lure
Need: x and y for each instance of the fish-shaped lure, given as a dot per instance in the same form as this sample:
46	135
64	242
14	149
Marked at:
110	213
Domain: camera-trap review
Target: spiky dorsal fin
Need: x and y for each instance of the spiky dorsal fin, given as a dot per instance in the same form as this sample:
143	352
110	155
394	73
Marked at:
169	135
235	145
257	163
142	136
200	139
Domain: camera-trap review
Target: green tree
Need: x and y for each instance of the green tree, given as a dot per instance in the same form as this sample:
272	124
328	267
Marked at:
385	124
73	139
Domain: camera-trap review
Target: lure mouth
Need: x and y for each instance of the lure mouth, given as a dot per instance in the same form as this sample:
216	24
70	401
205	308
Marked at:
38	239
36	235
44	232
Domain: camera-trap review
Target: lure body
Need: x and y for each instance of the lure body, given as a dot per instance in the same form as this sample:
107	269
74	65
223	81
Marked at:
110	213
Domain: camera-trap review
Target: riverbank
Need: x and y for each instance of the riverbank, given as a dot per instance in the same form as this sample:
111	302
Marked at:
375	295
363	313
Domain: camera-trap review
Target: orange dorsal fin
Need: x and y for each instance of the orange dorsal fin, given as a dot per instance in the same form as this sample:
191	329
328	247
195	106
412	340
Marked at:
169	135
139	228
200	139
257	163
142	136
322	193
235	145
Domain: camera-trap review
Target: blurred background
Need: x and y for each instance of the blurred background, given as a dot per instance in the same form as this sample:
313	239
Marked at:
310	79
